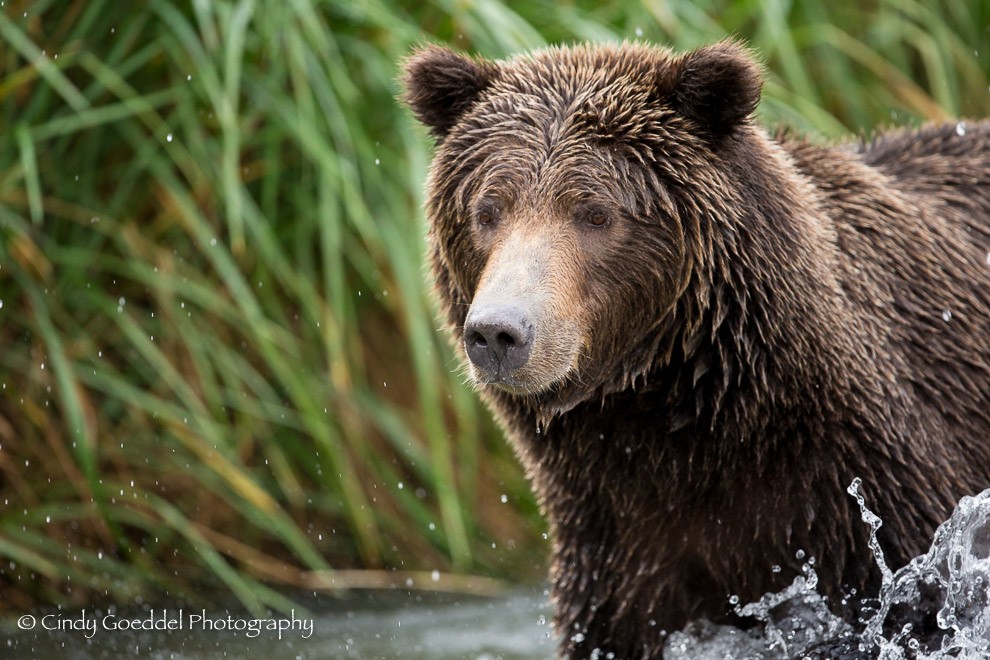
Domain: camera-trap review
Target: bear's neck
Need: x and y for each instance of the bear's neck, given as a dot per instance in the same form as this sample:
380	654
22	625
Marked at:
765	328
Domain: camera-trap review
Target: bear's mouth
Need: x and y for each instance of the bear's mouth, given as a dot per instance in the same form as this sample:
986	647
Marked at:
516	389
511	383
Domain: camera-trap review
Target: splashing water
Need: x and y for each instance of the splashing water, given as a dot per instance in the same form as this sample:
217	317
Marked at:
949	585
953	580
795	621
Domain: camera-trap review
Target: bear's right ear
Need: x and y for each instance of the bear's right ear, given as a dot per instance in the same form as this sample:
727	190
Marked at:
440	85
718	86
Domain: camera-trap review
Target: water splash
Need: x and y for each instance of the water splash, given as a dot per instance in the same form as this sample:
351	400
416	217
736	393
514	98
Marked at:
935	608
952	580
796	621
886	596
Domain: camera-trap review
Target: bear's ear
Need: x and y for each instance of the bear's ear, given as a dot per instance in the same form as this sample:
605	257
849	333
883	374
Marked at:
440	85
718	86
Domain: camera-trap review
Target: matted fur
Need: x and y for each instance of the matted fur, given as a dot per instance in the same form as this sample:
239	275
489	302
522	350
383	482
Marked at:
760	320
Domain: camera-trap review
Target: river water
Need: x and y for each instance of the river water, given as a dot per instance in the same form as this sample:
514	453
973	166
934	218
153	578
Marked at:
935	608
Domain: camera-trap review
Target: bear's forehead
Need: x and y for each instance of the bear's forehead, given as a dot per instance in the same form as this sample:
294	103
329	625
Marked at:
587	72
558	118
591	91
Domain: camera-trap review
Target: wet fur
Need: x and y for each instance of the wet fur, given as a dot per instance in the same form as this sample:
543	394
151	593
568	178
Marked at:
763	324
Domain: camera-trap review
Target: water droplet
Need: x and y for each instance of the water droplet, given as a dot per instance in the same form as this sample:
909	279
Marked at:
168	138
504	499
961	128
946	315
401	485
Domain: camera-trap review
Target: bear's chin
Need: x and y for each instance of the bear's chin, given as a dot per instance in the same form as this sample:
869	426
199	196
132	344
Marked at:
514	387
509	388
546	403
519	383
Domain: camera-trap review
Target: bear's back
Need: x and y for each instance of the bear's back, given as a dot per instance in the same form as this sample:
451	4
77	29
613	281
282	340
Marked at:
911	211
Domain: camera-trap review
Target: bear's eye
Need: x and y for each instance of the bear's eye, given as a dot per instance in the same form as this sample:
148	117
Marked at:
487	214
595	217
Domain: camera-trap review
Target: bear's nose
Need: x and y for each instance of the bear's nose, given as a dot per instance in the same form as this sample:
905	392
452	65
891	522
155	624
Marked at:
498	340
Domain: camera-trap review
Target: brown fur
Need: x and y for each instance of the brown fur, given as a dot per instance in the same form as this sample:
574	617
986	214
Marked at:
758	321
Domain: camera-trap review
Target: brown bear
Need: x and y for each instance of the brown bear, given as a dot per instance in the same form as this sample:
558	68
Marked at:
696	335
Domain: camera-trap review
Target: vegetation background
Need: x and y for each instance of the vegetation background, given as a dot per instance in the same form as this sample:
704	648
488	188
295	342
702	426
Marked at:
219	364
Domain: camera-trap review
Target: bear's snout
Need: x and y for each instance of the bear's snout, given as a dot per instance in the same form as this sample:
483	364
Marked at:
522	333
498	339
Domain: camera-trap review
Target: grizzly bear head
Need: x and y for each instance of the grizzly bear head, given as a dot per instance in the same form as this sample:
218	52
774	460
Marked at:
571	202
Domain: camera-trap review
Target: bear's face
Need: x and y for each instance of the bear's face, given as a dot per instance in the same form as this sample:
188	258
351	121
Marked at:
565	202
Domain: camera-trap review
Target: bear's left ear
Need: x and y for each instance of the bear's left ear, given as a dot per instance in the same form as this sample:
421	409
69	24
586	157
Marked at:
440	85
718	86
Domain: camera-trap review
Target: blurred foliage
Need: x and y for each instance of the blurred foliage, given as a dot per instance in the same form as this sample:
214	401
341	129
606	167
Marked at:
220	361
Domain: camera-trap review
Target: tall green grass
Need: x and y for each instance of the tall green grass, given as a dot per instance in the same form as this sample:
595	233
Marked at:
219	361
